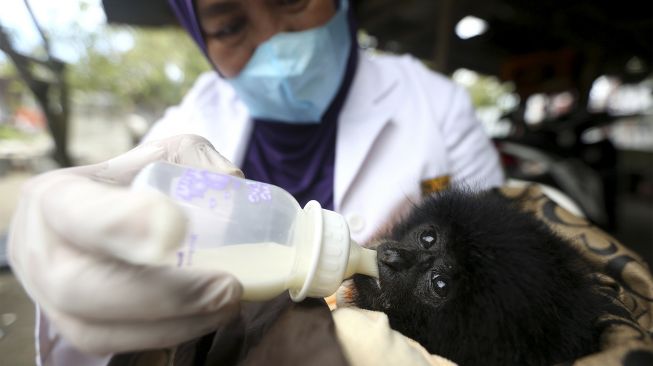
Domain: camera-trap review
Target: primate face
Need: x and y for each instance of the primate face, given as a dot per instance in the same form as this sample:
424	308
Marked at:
417	263
427	261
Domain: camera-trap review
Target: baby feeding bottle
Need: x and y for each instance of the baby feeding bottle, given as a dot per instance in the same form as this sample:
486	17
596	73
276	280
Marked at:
259	233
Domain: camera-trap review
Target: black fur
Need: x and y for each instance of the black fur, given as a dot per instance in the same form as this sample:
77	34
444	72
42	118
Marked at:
510	291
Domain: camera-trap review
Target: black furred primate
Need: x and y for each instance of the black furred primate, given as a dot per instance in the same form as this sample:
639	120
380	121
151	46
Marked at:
475	279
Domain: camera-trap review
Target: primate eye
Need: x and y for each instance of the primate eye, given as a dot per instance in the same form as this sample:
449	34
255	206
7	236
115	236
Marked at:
440	284
427	238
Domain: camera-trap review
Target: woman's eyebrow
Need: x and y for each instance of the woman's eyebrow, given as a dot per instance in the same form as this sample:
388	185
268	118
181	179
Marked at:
218	8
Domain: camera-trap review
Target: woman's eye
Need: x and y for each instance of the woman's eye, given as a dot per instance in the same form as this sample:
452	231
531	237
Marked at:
229	30
288	2
427	238
440	284
292	6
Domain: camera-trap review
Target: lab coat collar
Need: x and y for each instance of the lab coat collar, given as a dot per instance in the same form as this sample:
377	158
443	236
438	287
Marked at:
235	125
373	98
371	102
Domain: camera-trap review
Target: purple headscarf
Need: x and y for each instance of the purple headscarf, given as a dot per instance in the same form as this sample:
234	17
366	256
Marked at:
185	11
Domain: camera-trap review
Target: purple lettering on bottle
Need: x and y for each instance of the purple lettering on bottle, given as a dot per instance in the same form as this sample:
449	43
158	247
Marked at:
196	183
215	181
258	192
190	186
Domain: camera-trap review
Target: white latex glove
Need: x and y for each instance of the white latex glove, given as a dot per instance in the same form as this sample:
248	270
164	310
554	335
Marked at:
78	234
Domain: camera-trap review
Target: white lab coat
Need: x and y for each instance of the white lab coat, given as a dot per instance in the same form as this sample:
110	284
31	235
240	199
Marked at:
401	124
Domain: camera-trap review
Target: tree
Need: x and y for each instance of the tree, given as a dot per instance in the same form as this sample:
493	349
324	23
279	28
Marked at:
46	79
154	73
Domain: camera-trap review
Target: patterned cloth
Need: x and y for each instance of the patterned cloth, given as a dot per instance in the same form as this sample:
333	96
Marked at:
621	274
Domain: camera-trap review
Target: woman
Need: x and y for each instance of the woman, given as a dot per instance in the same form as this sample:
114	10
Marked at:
293	102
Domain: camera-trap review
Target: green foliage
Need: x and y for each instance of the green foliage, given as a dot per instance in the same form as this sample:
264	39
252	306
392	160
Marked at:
137	76
8	132
15	88
487	90
101	62
6	68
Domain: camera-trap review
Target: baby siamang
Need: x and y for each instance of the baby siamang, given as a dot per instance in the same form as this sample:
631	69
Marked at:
475	279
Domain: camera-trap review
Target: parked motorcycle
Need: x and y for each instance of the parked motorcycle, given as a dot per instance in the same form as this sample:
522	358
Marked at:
572	153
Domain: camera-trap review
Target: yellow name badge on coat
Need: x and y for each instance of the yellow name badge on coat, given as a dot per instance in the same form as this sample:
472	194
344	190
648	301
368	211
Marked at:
436	184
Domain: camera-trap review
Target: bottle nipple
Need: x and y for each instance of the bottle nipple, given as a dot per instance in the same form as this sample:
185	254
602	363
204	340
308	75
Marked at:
361	260
335	256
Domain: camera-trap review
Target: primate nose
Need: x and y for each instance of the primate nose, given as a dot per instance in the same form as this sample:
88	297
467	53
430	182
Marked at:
425	260
395	258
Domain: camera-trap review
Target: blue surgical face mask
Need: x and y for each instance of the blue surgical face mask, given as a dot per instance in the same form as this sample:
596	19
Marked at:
293	77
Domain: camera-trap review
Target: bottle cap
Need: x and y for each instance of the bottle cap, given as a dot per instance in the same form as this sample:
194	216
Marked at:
330	253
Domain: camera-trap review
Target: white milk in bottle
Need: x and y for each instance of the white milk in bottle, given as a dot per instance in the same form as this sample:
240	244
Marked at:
259	233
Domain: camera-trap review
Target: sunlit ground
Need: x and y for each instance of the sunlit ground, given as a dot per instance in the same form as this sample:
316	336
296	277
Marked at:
16	323
16	310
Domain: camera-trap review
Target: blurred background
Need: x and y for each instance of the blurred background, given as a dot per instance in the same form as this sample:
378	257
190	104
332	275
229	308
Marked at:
564	88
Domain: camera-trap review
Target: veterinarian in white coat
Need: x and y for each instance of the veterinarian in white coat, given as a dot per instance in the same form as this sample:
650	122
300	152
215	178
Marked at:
403	129
385	130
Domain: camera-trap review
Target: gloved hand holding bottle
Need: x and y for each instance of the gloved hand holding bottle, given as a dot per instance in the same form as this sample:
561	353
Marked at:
77	242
